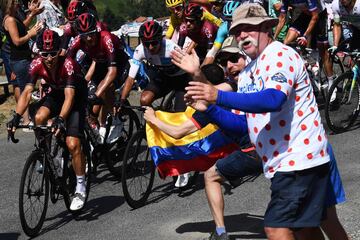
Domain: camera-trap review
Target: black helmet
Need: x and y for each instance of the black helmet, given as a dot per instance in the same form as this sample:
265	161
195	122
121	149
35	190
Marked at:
75	9
85	23
193	11
48	41
150	31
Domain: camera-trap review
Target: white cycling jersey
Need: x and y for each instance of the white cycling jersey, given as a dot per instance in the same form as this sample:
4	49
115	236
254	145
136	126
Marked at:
161	60
340	13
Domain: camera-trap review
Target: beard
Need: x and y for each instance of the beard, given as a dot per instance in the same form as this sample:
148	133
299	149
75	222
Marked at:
248	40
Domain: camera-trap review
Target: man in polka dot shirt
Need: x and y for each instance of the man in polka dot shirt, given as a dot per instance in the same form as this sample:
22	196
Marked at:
282	120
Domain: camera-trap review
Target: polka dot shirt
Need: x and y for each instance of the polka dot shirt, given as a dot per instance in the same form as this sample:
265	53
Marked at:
293	138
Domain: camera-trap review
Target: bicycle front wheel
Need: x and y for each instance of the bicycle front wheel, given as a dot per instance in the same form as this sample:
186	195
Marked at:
138	171
33	194
342	105
116	152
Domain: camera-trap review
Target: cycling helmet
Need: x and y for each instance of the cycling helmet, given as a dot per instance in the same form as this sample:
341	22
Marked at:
85	23
229	8
172	3
75	9
150	31
193	11
48	41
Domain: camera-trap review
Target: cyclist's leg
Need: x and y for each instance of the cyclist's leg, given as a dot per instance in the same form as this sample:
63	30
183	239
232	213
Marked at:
297	28
50	106
154	90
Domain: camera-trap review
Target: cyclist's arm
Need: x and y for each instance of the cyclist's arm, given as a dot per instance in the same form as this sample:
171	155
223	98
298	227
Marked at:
91	71
211	18
107	81
24	99
129	82
68	102
312	23
282	20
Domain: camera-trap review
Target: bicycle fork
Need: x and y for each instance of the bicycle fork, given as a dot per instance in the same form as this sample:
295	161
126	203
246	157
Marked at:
355	70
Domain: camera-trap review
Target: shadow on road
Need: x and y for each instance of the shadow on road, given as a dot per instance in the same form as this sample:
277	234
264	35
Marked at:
93	210
10	236
244	222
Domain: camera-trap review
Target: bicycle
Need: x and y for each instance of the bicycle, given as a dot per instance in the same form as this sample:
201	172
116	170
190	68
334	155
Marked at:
315	68
343	102
48	164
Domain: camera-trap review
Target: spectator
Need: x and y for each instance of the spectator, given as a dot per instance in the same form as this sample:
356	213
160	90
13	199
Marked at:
52	15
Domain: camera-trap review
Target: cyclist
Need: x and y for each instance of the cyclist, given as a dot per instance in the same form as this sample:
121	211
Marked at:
177	7
164	76
199	31
108	63
223	30
62	75
311	22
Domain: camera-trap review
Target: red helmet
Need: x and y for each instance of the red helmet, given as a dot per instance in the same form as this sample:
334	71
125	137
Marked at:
150	31
75	9
85	23
48	41
193	11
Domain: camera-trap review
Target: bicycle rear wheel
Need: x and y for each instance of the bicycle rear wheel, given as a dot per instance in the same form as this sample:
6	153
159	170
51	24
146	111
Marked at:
138	171
33	194
342	111
116	152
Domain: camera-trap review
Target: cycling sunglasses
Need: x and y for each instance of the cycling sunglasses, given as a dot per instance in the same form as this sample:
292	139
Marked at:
177	8
84	35
152	43
52	54
233	58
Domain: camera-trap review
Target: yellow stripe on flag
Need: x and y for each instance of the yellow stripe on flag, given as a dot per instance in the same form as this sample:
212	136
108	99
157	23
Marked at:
155	137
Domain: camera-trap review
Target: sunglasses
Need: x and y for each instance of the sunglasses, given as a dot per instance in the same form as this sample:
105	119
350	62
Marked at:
91	33
152	43
177	8
52	54
233	58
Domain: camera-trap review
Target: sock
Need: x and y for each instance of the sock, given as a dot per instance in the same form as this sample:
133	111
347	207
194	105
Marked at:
220	230
331	80
80	184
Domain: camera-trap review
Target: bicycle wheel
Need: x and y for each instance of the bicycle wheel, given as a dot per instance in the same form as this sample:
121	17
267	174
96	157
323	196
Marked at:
33	194
138	171
116	151
69	178
342	110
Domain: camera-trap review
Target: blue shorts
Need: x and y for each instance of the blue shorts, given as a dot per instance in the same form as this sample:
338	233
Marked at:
298	198
21	70
335	193
238	164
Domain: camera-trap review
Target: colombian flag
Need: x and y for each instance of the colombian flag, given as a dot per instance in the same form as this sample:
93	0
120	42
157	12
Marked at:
195	152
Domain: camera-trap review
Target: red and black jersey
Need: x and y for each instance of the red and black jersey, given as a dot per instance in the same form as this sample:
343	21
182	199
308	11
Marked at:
68	74
108	50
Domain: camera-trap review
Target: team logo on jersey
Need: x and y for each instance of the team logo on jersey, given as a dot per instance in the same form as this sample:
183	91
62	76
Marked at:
207	33
110	45
279	77
252	86
34	63
69	68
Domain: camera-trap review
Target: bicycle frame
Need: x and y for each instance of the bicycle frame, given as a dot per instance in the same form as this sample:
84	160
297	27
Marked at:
356	71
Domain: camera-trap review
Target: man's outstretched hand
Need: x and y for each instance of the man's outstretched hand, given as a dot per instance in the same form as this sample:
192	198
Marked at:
188	62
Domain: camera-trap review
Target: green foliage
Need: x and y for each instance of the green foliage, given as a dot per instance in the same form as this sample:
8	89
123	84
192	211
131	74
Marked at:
117	12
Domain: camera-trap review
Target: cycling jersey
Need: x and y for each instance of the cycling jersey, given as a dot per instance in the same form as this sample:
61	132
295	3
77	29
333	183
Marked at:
352	17
161	60
221	34
204	37
108	50
68	75
176	22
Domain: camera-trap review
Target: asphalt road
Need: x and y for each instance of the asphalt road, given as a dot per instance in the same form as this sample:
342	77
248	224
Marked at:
168	214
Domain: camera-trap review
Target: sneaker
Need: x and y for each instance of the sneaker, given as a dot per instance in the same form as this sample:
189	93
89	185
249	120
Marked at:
182	180
215	236
102	131
333	96
78	201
